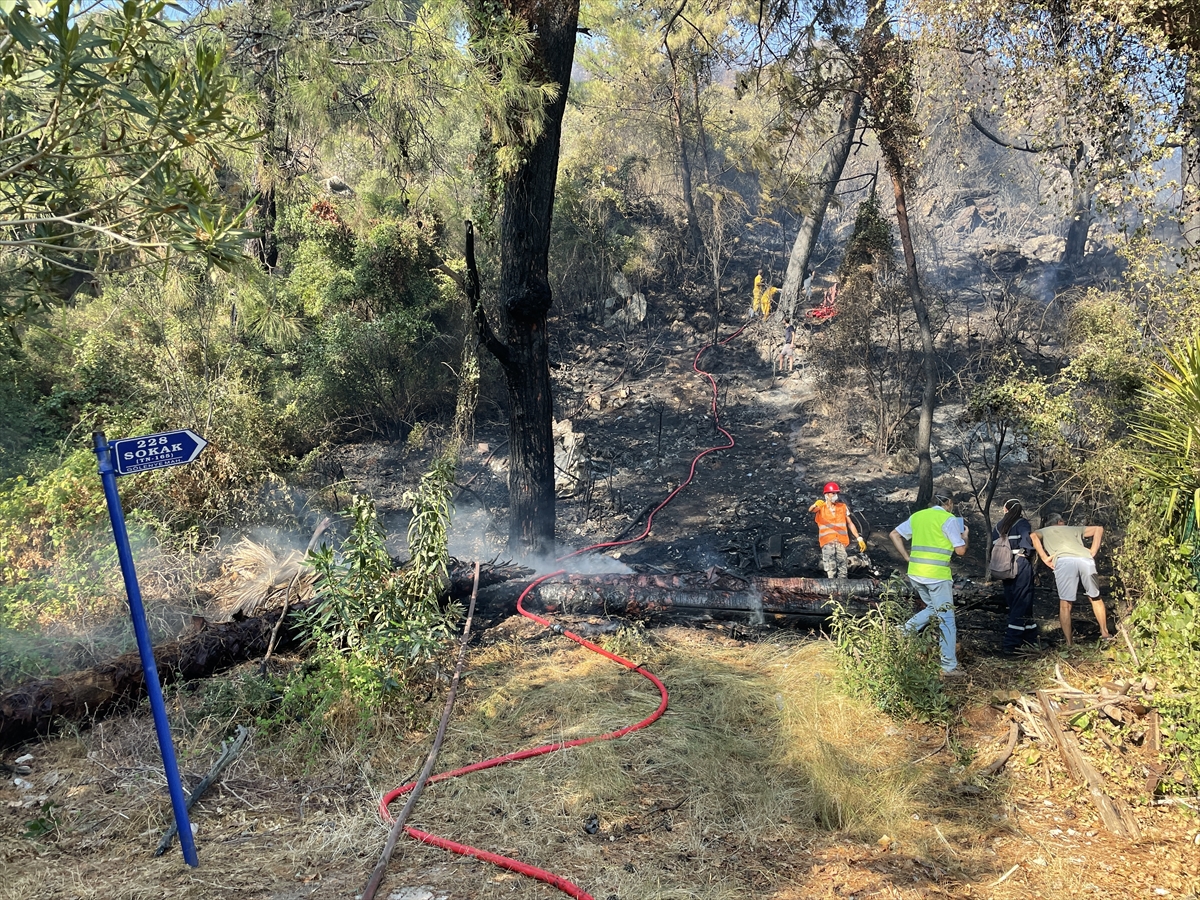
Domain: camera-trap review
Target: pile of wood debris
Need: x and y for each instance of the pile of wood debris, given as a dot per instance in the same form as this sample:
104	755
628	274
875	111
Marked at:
1051	718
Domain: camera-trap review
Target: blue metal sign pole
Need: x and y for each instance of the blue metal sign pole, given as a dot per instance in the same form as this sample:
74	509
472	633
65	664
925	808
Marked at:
145	649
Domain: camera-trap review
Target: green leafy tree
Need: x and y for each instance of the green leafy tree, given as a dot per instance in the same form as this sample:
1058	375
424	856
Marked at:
655	96
352	94
1013	409
811	58
1087	87
108	138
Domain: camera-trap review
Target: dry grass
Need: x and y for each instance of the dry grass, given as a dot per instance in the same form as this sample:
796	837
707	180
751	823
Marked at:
758	754
758	760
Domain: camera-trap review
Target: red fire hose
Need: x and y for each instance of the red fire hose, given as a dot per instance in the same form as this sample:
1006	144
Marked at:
506	862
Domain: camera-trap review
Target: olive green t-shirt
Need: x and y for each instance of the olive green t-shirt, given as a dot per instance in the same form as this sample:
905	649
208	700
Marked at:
1063	540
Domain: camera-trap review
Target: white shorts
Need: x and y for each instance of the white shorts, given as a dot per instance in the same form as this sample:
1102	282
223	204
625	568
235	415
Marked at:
1072	571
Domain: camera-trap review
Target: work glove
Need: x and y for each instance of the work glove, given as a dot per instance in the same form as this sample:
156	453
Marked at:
862	544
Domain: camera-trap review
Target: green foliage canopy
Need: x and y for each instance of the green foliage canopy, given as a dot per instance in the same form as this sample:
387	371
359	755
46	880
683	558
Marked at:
108	137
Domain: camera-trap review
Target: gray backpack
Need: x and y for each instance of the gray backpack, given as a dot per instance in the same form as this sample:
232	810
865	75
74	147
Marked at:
1002	562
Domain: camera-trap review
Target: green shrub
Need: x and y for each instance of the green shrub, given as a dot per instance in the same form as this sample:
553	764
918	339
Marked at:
314	278
378	358
899	672
366	608
595	236
1159	559
319	222
59	572
25	655
326	698
56	549
376	631
24	428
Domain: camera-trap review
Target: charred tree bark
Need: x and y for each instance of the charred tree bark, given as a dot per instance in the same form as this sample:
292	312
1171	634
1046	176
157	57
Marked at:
527	201
35	709
831	174
1082	189
38	708
685	166
263	220
648	595
928	353
890	92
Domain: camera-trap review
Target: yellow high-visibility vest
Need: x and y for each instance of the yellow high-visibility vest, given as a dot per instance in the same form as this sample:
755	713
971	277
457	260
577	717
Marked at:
931	549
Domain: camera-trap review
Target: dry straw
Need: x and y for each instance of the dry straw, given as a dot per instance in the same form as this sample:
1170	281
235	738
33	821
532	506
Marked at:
758	747
255	578
759	762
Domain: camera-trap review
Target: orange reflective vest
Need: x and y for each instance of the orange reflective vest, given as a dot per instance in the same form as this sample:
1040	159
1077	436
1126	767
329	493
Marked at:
833	524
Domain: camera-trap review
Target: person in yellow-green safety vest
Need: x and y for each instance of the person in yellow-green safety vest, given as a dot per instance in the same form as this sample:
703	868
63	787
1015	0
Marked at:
935	535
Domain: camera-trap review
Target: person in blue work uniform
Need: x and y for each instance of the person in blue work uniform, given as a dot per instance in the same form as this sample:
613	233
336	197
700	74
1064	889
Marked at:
935	534
1022	630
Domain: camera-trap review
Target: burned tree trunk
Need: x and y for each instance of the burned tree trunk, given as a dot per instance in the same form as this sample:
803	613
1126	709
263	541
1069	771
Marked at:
690	594
685	166
639	595
831	174
891	97
1083	186
34	709
524	288
928	353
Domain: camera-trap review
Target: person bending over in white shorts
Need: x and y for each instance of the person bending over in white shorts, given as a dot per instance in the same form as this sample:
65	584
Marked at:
1060	546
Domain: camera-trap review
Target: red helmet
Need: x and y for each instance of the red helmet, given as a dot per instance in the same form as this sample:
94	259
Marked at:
830	488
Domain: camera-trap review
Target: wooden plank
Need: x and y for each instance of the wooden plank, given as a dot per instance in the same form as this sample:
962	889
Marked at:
1055	731
1115	818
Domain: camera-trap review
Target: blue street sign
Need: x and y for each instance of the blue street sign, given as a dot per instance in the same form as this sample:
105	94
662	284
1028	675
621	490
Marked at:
156	451
176	448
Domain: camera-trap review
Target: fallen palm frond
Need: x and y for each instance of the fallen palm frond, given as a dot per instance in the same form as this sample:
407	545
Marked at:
255	578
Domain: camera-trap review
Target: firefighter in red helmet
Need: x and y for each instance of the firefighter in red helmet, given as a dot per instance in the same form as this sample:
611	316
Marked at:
834	527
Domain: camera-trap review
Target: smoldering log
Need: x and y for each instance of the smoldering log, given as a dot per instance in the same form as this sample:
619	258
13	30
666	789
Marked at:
35	708
704	592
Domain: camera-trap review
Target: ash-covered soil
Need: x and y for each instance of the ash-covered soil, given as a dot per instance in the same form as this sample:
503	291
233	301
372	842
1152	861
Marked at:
641	409
83	814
